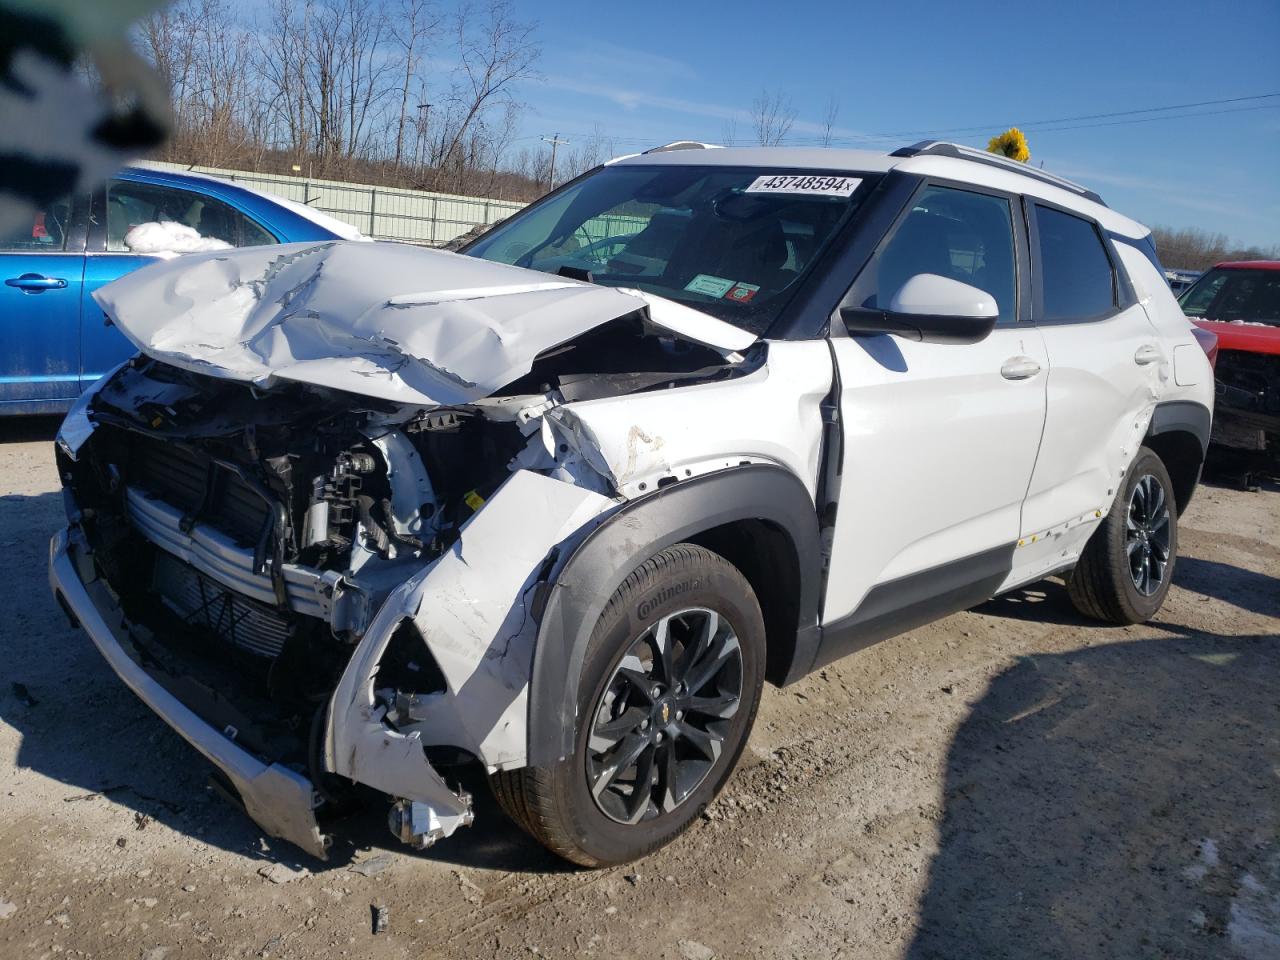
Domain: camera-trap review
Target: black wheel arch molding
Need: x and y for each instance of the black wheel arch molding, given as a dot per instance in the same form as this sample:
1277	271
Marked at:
1179	436
689	511
1187	416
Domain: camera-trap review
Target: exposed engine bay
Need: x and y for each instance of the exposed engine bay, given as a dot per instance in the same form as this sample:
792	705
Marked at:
249	537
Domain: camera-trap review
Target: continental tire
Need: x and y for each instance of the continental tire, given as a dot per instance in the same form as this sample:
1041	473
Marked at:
668	693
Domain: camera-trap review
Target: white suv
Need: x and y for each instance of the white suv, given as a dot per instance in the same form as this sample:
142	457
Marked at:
360	513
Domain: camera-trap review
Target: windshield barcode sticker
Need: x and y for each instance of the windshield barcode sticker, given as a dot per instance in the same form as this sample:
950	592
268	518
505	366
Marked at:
826	186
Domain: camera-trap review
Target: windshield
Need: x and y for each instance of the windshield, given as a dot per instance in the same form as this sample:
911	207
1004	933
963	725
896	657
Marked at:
731	242
1252	296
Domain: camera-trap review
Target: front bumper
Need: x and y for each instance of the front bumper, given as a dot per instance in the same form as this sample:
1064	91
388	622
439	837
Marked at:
280	800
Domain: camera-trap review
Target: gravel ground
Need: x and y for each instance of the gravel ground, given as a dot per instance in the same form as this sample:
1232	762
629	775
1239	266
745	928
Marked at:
1010	782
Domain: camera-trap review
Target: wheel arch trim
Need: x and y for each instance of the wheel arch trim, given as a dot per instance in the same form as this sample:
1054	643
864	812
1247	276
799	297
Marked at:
1179	436
1185	416
585	581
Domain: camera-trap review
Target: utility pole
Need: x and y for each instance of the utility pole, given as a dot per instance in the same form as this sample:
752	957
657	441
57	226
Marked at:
555	141
424	122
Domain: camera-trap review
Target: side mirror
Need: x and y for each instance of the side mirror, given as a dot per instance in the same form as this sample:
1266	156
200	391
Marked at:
931	309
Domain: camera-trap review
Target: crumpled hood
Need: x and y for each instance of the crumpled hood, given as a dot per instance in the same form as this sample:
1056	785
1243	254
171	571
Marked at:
383	320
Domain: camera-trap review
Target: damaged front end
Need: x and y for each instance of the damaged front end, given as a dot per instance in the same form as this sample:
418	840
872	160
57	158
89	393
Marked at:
326	575
1247	405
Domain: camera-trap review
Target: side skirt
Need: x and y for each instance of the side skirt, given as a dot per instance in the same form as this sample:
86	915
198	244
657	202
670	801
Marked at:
912	601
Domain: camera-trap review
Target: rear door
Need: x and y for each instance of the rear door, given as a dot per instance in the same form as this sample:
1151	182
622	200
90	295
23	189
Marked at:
939	440
1107	371
41	277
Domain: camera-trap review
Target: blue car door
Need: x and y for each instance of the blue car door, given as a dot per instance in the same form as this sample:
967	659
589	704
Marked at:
128	202
41	280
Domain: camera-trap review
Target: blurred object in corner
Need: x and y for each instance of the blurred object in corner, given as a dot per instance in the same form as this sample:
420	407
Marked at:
75	101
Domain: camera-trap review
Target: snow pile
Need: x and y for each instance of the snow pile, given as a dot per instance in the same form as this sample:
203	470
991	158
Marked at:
168	239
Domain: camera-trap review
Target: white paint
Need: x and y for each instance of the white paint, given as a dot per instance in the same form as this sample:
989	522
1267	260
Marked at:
1013	181
355	317
928	294
1100	401
471	607
1187	366
769	416
693	324
939	448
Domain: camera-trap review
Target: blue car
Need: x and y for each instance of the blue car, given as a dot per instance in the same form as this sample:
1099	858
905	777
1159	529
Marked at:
54	342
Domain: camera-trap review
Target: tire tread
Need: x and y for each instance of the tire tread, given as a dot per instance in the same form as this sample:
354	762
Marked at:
527	794
1100	587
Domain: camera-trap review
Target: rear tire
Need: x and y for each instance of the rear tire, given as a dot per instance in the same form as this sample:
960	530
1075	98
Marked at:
1125	570
672	675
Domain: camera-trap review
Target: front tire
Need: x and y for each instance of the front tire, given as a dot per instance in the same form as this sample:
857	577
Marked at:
668	693
1127	566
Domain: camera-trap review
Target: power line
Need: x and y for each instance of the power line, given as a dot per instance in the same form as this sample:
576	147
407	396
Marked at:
1033	126
1080	126
1088	116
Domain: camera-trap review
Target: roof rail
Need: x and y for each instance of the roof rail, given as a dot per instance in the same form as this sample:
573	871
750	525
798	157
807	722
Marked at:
682	145
941	148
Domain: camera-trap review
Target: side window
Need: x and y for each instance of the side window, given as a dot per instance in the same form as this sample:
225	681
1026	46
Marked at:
1076	276
45	231
210	223
957	234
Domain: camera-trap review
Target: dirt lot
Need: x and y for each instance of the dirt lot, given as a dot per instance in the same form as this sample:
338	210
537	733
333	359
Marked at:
1010	782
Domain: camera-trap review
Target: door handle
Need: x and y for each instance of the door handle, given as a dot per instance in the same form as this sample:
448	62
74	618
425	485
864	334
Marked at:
1147	353
35	283
1019	368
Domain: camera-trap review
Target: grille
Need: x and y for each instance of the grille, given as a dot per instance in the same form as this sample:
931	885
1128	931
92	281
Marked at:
203	603
178	476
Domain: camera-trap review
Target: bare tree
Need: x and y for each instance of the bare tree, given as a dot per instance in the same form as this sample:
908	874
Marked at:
1192	248
341	86
495	53
829	120
772	115
729	132
205	61
415	23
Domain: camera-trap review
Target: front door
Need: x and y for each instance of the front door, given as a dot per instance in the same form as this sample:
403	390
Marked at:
939	440
41	276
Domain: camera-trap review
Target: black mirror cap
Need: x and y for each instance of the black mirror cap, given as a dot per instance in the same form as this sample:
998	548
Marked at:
922	327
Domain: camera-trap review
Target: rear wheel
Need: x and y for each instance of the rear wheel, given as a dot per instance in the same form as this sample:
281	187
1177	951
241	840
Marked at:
1124	573
668	693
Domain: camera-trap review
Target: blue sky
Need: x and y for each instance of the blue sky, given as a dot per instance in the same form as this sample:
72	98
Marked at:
646	73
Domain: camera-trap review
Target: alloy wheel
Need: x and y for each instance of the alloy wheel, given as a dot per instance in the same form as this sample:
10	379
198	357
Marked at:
660	724
1147	532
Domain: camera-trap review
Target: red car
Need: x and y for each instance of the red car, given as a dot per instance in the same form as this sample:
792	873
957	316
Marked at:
1240	303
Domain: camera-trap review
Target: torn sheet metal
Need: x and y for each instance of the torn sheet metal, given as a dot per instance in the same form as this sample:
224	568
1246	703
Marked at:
472	608
383	320
771	415
78	426
693	324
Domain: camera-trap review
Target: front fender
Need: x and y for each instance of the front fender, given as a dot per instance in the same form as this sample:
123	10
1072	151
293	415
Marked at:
675	513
